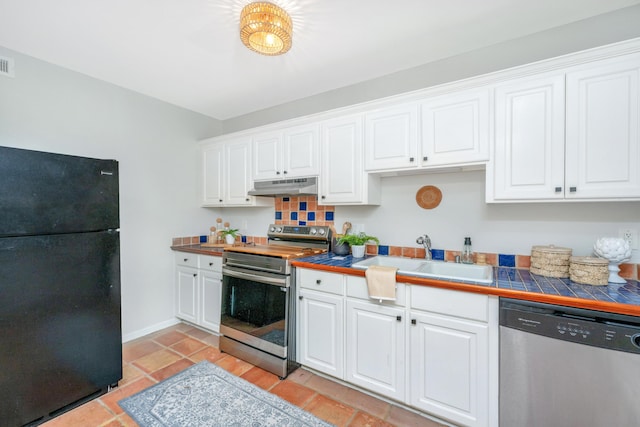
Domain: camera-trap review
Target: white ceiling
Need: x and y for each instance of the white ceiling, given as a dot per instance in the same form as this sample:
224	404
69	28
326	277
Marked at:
188	52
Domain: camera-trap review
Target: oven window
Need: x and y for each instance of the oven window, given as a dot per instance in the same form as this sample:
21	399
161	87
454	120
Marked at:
255	308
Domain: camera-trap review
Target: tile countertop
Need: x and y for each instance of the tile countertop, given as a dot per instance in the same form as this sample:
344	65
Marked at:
512	283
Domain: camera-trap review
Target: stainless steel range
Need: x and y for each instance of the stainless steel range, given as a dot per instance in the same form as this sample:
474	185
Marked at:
258	296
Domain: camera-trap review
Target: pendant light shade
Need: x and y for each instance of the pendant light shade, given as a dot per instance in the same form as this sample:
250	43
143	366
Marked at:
265	28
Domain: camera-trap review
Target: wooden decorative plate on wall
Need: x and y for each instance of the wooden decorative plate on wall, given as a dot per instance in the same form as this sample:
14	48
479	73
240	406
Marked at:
428	197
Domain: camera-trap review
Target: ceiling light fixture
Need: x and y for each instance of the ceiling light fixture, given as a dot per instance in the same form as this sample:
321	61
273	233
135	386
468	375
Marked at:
265	28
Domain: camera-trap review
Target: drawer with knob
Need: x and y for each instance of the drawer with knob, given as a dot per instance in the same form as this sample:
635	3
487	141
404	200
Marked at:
321	281
186	259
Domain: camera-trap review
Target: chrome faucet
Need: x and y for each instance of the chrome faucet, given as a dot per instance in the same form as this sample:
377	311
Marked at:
426	242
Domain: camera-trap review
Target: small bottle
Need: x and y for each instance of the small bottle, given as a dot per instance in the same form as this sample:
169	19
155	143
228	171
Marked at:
466	257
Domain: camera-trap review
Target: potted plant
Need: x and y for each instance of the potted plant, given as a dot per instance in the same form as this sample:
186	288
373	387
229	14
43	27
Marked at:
230	235
357	243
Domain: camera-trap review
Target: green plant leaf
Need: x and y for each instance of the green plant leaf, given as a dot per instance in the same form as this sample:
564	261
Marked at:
357	239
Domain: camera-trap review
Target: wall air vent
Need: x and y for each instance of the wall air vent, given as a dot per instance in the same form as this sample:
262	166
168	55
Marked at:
7	66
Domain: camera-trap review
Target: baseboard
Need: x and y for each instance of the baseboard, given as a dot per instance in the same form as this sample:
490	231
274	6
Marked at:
149	330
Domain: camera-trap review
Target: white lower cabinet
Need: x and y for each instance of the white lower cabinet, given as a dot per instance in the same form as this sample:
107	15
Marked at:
376	348
321	321
447	361
435	350
198	289
454	355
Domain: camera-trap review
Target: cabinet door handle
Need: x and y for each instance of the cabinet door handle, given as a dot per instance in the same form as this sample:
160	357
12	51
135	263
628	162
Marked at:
247	199
285	172
413	322
186	259
425	158
573	189
399	318
411	159
558	189
195	274
278	173
300	297
323	197
210	264
318	281
220	200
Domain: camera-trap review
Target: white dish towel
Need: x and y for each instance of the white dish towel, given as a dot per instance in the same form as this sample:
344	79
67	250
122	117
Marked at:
381	282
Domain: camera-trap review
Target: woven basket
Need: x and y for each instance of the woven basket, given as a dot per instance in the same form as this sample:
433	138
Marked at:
550	261
589	270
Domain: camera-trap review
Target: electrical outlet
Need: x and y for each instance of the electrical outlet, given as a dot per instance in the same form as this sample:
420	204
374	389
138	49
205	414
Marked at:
631	236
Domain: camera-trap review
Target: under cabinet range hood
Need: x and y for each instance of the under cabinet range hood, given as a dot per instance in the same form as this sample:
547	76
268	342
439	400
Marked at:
285	187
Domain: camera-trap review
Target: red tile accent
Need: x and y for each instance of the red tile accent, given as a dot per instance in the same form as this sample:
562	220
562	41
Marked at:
260	377
395	250
137	349
523	261
365	420
409	252
450	255
330	410
174	368
293	392
626	271
233	365
492	259
188	346
169	338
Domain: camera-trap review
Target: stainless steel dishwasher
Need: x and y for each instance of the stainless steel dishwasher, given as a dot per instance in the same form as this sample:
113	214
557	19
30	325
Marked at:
566	367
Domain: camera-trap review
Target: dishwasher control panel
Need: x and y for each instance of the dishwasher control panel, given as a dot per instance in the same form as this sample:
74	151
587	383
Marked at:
588	327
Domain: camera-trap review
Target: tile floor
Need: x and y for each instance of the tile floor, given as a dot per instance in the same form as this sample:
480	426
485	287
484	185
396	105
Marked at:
155	357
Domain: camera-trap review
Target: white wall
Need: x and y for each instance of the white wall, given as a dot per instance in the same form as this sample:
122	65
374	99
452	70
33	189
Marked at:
493	228
51	109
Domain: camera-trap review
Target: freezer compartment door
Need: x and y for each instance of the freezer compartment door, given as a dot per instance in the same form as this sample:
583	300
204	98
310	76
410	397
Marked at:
60	328
45	193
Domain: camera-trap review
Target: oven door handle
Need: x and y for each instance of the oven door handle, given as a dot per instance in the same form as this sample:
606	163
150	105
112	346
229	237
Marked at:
262	268
255	277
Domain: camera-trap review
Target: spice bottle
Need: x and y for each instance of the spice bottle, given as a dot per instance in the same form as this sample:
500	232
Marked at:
466	256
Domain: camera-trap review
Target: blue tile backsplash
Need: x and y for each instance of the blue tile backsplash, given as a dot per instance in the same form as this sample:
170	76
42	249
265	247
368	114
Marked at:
506	260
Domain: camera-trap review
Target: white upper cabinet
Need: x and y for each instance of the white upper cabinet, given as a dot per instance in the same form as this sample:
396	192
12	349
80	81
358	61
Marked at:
572	135
528	157
391	138
603	121
225	175
343	179
267	156
455	129
212	174
441	131
290	153
301	151
238	184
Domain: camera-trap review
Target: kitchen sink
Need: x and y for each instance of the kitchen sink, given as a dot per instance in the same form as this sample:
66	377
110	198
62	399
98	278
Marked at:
404	265
432	269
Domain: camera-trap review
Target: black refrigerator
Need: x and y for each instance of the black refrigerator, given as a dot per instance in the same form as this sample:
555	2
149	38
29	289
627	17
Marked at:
60	323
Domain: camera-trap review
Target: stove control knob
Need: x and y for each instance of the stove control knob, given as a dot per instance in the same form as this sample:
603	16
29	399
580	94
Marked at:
272	229
278	229
313	231
321	231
